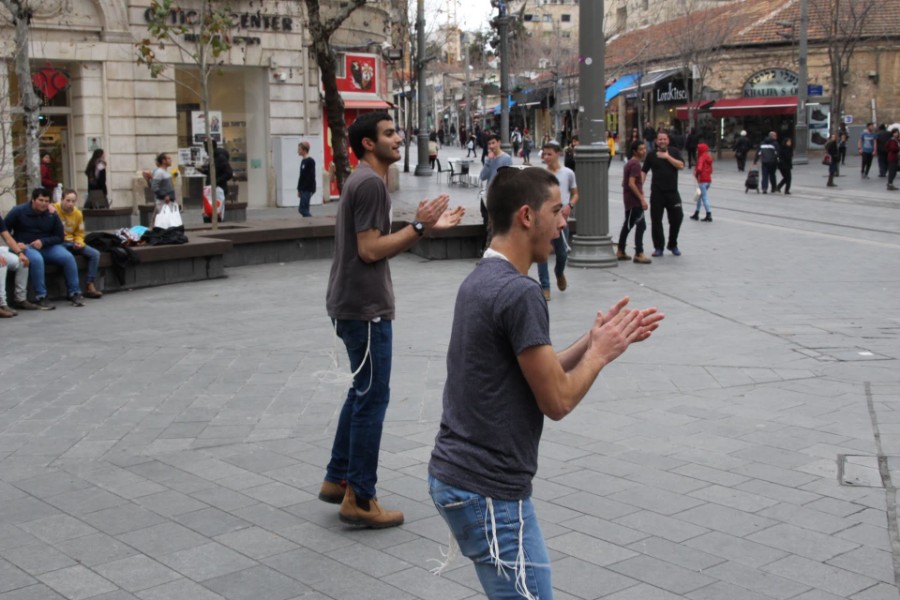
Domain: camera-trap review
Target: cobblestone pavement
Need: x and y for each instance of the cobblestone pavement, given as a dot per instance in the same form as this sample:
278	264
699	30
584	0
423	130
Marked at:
168	443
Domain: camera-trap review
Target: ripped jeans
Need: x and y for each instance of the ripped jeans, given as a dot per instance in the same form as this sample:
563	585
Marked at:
502	538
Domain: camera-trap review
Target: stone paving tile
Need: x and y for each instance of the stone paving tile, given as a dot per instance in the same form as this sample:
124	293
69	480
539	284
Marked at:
136	573
736	549
12	577
661	574
181	589
256	582
824	577
57	528
605	530
870	535
121	519
802	542
170	503
721	589
77	583
255	542
725	519
778	492
32	592
589	549
642	591
573	505
37	559
85	501
165	538
736	499
757	581
205	562
95	549
868	561
882	591
651	523
584	580
421	583
677	554
808	518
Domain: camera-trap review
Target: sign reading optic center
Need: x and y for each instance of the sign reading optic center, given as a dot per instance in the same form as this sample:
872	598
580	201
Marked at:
771	82
251	21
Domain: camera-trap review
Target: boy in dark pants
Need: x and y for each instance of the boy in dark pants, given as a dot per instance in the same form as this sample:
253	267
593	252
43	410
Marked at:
635	205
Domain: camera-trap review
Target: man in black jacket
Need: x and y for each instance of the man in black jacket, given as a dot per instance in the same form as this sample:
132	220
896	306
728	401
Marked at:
767	154
306	184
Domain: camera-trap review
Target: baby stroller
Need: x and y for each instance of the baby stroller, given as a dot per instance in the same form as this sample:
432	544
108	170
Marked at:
752	182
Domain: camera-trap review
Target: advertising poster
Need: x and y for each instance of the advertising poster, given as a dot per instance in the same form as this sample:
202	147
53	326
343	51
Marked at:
198	126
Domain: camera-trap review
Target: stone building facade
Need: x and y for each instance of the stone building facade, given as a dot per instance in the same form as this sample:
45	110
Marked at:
84	63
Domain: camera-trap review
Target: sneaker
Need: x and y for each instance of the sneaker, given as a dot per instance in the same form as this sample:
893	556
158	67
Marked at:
333	493
44	304
787	193
25	305
76	299
641	259
765	192
546	294
367	513
561	282
621	255
6	313
893	188
674	249
658	252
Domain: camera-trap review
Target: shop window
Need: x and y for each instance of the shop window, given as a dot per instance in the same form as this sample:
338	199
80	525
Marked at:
566	18
238	123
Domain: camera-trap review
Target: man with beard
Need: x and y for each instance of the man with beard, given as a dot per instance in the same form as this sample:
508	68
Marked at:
664	163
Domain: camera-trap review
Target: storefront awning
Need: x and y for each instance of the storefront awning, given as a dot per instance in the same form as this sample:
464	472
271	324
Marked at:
497	109
682	111
374	103
649	80
615	88
755	107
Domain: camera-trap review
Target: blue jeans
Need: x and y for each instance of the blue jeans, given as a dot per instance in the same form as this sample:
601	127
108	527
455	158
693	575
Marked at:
704	189
305	197
93	256
768	175
55	255
562	254
472	519
354	454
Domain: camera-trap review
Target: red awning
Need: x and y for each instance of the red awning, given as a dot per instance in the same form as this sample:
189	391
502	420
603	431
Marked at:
682	111
355	104
755	107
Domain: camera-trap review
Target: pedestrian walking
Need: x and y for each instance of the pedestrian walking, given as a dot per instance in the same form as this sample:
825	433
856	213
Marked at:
306	183
785	165
360	303
503	378
527	146
881	139
767	154
866	147
893	154
664	164
703	175
95	171
741	147
635	205
568	192
831	157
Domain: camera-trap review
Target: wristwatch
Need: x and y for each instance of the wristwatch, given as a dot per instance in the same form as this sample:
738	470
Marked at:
419	228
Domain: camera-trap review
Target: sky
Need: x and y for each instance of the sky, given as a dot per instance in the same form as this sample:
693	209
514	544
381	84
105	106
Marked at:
470	14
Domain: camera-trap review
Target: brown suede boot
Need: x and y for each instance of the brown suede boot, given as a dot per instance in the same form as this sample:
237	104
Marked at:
333	493
367	513
91	291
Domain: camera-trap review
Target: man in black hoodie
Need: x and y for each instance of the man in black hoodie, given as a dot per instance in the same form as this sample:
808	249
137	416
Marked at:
767	154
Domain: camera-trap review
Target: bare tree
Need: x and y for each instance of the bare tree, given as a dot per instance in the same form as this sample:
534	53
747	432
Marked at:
203	47
321	31
843	25
20	13
697	37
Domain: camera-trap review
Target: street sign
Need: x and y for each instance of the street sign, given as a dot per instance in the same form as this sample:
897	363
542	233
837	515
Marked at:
848	119
815	90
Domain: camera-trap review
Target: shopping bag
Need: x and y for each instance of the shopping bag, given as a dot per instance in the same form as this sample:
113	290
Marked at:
697	194
169	216
220	203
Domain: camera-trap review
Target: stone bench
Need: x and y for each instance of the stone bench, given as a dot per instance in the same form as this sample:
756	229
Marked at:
200	259
262	242
100	219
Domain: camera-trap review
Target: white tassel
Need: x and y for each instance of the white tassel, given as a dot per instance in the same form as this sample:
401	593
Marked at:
449	556
521	582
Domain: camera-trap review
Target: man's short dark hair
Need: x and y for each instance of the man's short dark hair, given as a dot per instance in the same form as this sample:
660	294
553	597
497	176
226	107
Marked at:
366	126
491	136
635	146
39	192
552	145
513	188
161	157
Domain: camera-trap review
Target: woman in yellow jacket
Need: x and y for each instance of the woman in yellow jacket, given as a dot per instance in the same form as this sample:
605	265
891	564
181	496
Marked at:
73	224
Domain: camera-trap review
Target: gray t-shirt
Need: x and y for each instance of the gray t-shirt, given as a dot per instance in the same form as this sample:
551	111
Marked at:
491	424
566	177
162	185
358	290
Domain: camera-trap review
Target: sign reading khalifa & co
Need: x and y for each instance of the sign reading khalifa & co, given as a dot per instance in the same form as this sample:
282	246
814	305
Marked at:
672	93
771	82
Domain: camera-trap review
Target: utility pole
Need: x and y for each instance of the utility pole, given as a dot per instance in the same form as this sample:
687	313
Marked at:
503	28
423	169
466	68
591	245
801	131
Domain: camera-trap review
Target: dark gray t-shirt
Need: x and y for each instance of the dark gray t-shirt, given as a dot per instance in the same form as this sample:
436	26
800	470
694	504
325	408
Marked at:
358	290
491	424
